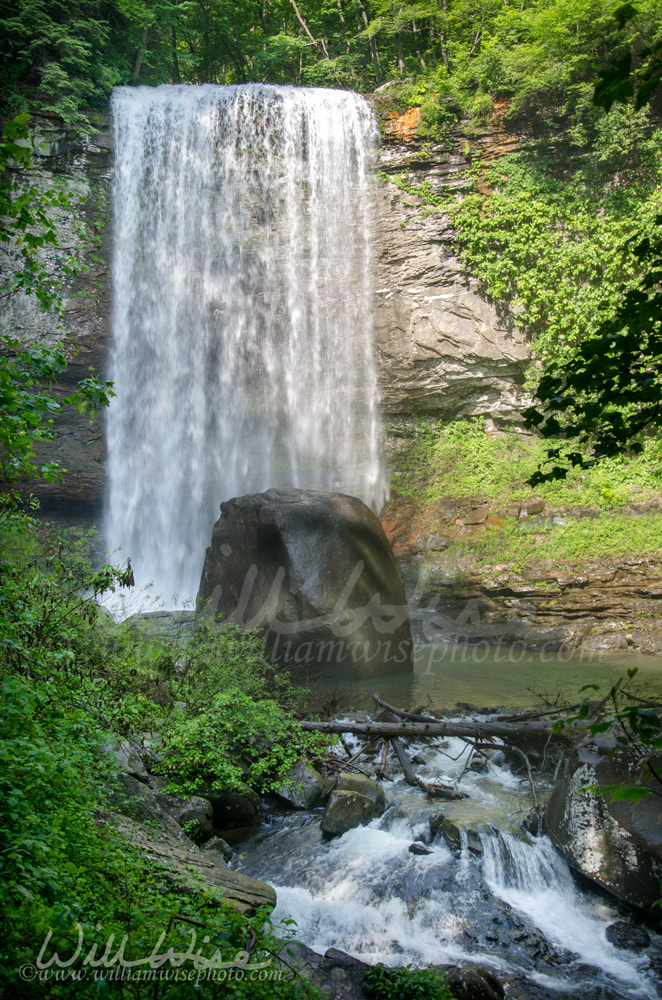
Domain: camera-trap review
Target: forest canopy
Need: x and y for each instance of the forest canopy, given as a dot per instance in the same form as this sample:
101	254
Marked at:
66	57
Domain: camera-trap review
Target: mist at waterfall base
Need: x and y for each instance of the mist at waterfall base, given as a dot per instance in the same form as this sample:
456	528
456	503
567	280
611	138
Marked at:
514	907
242	316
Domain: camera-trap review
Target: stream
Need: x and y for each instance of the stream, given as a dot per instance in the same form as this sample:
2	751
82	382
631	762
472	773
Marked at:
503	898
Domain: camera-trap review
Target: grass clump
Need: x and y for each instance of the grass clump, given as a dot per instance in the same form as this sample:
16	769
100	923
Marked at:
459	460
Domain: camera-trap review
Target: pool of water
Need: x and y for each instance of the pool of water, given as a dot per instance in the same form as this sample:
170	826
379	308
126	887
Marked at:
487	676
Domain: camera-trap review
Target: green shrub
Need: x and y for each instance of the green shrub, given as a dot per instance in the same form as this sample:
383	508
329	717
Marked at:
237	740
405	983
458	459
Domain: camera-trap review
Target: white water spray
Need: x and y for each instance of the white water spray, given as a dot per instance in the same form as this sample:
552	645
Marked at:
242	321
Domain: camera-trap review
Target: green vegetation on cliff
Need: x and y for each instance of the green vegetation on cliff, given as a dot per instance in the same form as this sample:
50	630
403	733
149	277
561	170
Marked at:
607	512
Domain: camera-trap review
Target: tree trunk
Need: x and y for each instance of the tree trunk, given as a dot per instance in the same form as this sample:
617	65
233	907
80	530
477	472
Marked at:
175	62
139	56
400	51
300	19
343	26
530	732
374	52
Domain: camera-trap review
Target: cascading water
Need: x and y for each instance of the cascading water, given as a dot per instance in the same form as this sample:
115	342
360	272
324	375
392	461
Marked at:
503	901
242	321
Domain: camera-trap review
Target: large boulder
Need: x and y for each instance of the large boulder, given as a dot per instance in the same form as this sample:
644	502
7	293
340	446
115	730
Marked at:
192	871
303	787
616	844
316	572
355	801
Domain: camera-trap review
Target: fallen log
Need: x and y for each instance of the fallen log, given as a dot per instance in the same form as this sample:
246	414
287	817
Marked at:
530	732
438	788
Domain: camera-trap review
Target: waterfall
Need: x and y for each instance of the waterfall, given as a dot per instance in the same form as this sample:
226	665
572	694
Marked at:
242	319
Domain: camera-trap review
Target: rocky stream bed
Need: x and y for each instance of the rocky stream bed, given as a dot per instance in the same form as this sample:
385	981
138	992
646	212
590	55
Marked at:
378	871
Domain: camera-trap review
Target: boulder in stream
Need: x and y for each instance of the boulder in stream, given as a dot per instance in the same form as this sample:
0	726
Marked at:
616	844
316	572
303	787
355	801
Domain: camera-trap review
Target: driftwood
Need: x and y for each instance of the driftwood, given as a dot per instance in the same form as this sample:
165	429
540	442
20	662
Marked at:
480	736
532	732
437	788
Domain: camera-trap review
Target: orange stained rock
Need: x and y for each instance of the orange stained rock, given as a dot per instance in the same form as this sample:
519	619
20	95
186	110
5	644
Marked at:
404	126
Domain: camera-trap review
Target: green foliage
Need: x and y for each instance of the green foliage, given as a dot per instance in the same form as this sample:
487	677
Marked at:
459	459
405	983
29	406
27	220
572	544
621	81
72	684
58	51
635	726
237	740
608	392
236	725
555	247
28	401
447	57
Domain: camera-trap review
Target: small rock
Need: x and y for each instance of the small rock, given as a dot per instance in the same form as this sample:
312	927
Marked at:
532	822
195	817
130	761
218	846
477	516
418	848
473	983
628	937
532	508
430	543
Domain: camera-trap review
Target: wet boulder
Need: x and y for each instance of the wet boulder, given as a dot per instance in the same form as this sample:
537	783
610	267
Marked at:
616	844
194	814
315	571
627	936
303	787
355	801
236	813
473	982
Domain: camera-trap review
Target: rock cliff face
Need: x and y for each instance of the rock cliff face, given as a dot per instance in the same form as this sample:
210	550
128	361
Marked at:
444	349
82	167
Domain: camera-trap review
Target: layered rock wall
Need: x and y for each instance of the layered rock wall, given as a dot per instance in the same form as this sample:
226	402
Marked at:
82	167
444	348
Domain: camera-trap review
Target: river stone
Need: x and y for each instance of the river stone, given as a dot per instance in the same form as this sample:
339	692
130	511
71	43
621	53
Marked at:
235	813
627	937
134	799
219	848
616	844
195	814
316	572
474	982
355	801
303	787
